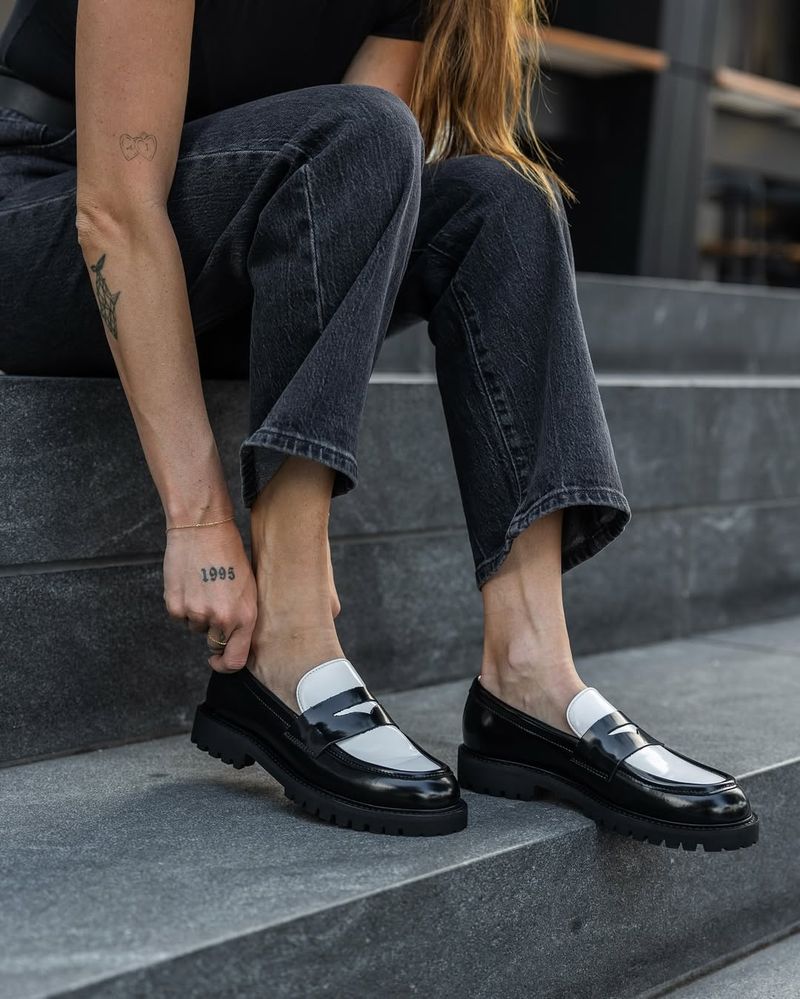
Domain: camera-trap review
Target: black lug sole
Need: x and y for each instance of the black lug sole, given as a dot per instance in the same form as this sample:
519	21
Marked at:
239	749
515	780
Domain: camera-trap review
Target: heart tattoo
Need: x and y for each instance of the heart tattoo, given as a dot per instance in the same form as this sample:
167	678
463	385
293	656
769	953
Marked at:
136	145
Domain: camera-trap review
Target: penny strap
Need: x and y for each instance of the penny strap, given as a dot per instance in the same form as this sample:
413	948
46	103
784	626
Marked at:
321	725
604	748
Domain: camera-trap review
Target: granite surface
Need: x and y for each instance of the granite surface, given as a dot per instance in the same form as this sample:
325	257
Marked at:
74	484
153	870
653	324
770	973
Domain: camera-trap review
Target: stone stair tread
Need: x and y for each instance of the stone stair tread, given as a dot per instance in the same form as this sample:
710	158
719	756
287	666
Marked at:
151	869
772	972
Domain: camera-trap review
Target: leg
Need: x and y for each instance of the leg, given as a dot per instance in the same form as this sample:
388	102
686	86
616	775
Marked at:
492	271
291	559
309	204
310	201
527	660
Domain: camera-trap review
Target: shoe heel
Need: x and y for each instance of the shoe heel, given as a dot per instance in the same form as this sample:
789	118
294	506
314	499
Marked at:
219	741
504	780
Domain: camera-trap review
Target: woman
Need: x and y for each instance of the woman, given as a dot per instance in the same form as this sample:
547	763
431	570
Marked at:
310	170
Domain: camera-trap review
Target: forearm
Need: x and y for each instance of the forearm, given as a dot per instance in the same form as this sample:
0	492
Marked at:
136	271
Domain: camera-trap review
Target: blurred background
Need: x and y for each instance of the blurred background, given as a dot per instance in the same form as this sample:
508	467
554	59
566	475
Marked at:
678	124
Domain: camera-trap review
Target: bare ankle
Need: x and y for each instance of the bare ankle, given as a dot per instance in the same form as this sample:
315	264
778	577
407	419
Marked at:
539	686
280	657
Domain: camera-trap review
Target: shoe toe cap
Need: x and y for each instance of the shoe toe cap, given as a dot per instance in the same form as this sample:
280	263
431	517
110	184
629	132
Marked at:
727	806
439	790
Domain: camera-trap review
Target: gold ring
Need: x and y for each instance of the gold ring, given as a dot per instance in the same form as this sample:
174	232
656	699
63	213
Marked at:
216	641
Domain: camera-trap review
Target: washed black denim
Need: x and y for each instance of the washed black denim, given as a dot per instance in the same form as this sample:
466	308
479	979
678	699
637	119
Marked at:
309	220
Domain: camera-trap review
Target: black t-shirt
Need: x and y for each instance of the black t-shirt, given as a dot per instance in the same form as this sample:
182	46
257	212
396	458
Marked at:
241	49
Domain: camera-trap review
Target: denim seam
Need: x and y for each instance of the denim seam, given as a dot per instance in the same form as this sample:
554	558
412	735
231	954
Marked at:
517	460
214	153
439	250
42	201
489	394
314	244
560	499
181	159
587	496
288	435
340	461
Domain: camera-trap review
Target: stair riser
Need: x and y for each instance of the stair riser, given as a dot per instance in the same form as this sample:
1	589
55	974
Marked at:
74	484
641	324
637	324
96	659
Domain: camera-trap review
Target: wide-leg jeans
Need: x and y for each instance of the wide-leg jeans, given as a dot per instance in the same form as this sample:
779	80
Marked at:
310	220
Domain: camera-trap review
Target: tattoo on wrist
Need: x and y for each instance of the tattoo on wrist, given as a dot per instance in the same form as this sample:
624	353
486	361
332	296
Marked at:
106	301
213	572
142	144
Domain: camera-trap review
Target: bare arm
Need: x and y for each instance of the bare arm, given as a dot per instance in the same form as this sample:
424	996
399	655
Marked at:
385	62
132	69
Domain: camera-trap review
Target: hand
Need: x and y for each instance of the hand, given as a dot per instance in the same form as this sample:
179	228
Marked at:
208	582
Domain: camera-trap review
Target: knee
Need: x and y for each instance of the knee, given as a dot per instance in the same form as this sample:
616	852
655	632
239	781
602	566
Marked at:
382	124
492	186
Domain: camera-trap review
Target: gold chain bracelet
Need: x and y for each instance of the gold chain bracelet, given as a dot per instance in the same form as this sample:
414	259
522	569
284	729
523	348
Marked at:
210	523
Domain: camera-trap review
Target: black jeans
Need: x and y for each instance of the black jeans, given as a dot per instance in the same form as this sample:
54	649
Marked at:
310	219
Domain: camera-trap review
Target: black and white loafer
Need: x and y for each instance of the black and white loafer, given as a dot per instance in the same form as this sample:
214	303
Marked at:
342	759
612	770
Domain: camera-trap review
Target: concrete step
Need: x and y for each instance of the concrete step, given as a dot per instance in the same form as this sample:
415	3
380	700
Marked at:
771	972
153	870
663	325
710	470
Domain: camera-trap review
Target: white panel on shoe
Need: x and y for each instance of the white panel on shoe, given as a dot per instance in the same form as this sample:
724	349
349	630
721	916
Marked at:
385	746
590	706
658	761
586	708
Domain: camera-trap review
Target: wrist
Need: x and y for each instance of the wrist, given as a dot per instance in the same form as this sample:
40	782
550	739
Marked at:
204	503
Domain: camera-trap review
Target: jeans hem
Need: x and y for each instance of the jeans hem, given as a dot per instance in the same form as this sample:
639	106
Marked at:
283	443
585	547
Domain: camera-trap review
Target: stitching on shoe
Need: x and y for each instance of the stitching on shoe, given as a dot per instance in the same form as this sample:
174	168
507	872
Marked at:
345	757
260	697
385	810
518	725
355	764
616	808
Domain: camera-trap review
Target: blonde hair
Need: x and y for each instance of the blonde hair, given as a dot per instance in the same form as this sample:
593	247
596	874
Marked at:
477	71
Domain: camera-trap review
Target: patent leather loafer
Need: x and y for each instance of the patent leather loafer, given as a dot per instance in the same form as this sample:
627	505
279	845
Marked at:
611	769
341	758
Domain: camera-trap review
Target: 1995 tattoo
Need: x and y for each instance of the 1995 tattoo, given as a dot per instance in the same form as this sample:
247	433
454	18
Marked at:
212	573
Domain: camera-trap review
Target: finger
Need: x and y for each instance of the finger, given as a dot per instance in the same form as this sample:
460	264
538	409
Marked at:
215	662
237	650
197	622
